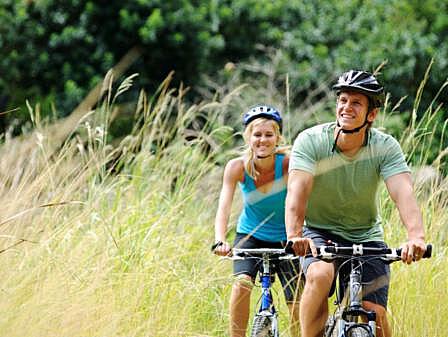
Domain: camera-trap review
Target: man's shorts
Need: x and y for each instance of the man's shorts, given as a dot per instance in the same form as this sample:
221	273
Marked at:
288	271
375	273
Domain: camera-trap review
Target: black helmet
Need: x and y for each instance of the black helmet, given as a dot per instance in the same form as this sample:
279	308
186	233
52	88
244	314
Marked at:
265	111
363	82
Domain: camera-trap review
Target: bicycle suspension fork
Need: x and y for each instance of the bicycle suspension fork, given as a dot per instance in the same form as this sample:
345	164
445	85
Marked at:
355	290
266	298
355	286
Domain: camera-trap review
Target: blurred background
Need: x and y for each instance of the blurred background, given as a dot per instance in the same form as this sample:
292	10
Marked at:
118	116
53	52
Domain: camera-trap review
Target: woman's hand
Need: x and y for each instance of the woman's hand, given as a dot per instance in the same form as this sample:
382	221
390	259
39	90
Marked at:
221	248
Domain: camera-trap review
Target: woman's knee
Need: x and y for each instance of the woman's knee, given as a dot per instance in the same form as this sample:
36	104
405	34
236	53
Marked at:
243	284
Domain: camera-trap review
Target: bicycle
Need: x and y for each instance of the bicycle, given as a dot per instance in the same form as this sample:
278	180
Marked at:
345	321
265	322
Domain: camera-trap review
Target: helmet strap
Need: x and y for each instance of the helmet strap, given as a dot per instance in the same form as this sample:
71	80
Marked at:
357	129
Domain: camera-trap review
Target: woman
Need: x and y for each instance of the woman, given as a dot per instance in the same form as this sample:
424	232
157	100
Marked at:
261	174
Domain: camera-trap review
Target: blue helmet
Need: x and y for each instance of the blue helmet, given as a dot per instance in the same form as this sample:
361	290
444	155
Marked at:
262	111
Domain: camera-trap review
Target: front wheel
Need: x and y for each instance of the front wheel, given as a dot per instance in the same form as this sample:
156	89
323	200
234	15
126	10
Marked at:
359	331
264	326
330	327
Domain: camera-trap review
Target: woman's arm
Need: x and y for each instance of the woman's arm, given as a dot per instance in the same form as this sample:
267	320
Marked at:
233	172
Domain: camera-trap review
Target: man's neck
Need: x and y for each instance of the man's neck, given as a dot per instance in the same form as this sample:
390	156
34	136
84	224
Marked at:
350	143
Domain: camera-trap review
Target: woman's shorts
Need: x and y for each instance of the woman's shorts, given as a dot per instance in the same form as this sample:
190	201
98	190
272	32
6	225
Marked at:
375	273
288	271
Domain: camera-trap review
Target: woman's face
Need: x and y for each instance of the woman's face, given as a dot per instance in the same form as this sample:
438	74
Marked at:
263	139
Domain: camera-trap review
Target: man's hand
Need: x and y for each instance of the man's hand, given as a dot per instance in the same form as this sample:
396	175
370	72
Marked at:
413	250
302	245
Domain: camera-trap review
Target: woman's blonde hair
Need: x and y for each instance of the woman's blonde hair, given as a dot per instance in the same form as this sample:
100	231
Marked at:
249	157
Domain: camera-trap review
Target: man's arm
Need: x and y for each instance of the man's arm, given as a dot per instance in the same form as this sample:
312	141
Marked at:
401	191
300	184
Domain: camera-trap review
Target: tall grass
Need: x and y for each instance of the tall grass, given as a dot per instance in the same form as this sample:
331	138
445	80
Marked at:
419	291
99	240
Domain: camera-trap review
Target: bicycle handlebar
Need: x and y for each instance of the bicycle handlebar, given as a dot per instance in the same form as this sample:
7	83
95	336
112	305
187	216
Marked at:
331	252
259	253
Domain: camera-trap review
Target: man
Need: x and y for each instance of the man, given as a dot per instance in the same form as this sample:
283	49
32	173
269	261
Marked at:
334	173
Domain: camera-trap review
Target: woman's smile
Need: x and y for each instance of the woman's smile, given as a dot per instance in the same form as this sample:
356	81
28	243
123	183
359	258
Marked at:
263	139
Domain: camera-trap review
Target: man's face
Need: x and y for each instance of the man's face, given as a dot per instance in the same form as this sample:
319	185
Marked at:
351	109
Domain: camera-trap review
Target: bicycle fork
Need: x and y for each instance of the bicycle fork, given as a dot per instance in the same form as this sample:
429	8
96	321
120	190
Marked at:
266	298
355	308
267	304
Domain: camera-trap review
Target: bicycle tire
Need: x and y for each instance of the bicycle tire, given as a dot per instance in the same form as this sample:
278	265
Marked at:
358	331
330	327
262	326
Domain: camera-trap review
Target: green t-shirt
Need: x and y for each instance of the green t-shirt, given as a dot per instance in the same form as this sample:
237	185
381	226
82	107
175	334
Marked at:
344	195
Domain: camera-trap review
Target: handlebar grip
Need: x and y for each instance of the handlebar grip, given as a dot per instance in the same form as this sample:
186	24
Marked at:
288	248
216	245
428	252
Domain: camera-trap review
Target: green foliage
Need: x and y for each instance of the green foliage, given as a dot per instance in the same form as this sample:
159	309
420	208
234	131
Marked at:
61	49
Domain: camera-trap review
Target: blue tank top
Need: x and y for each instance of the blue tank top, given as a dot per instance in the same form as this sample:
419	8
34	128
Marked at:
263	214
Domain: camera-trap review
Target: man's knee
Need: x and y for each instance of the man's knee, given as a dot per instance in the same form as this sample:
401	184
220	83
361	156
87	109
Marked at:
319	274
382	327
380	311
